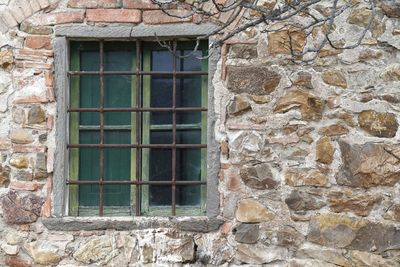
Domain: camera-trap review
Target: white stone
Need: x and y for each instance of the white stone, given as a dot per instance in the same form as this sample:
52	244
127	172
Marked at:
10	249
260	254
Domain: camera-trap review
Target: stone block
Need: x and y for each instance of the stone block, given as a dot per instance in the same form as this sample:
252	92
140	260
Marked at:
20	210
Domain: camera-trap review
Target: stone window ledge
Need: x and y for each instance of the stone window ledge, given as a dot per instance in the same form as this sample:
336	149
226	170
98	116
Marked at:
190	224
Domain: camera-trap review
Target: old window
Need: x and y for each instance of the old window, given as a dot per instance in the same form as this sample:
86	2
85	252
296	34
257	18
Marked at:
137	128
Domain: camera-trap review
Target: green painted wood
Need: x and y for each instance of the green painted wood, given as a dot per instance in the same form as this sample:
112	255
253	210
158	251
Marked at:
74	133
146	86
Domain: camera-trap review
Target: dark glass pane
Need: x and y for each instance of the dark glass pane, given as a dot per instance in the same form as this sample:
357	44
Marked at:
90	60
188	195
117	94
188	93
89	136
189	60
161	92
188	164
160	165
161	137
117	195
160	195
188	136
161	118
119	56
117	137
89	91
161	60
89	169
188	117
89	118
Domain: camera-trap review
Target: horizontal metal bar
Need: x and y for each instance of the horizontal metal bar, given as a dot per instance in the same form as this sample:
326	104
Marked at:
183	109
153	73
160	146
106	127
161	127
134	182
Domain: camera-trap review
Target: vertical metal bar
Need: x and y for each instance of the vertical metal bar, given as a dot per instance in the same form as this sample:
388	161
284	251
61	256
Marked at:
174	130
138	126
101	184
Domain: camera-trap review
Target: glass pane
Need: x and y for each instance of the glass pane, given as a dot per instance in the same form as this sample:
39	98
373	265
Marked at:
90	60
117	195
161	118
188	137
188	164
161	60
160	196
190	60
160	165
188	117
188	195
89	91
119	56
89	118
89	169
188	93
89	137
161	92
161	137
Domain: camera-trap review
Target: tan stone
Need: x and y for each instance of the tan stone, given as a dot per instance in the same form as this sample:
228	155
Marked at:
20	136
285	41
6	58
252	211
358	203
303	79
333	256
334	230
378	124
4	174
261	99
43	253
365	259
393	213
369	165
95	249
392	72
335	78
305	177
310	106
368	54
391	8
324	150
333	130
362	16
36	115
238	105
19	162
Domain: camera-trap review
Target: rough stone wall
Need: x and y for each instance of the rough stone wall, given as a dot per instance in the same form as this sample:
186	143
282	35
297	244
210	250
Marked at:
310	154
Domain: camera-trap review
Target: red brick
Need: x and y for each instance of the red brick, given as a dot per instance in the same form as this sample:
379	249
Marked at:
95	3
48	78
114	15
33	65
44	53
139	4
69	17
24	186
159	17
38	42
224	147
31	99
17	262
29	149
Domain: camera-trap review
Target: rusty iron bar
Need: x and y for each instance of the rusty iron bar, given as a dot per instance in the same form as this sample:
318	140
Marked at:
138	129
101	196
141	73
133	182
160	146
138	109
174	58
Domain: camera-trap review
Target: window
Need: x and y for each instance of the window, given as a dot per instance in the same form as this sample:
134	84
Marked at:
137	128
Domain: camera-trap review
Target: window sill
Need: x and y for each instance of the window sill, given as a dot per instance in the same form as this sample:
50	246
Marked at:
191	224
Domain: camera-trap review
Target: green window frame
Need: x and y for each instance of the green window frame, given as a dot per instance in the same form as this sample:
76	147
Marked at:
131	104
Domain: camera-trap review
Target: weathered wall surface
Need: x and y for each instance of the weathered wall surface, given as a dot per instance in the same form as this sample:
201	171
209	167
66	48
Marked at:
310	154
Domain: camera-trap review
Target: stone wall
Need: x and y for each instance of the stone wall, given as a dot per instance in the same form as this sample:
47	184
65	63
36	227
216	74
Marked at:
310	154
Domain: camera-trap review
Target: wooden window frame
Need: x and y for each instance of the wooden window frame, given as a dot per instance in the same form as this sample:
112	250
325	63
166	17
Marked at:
139	196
